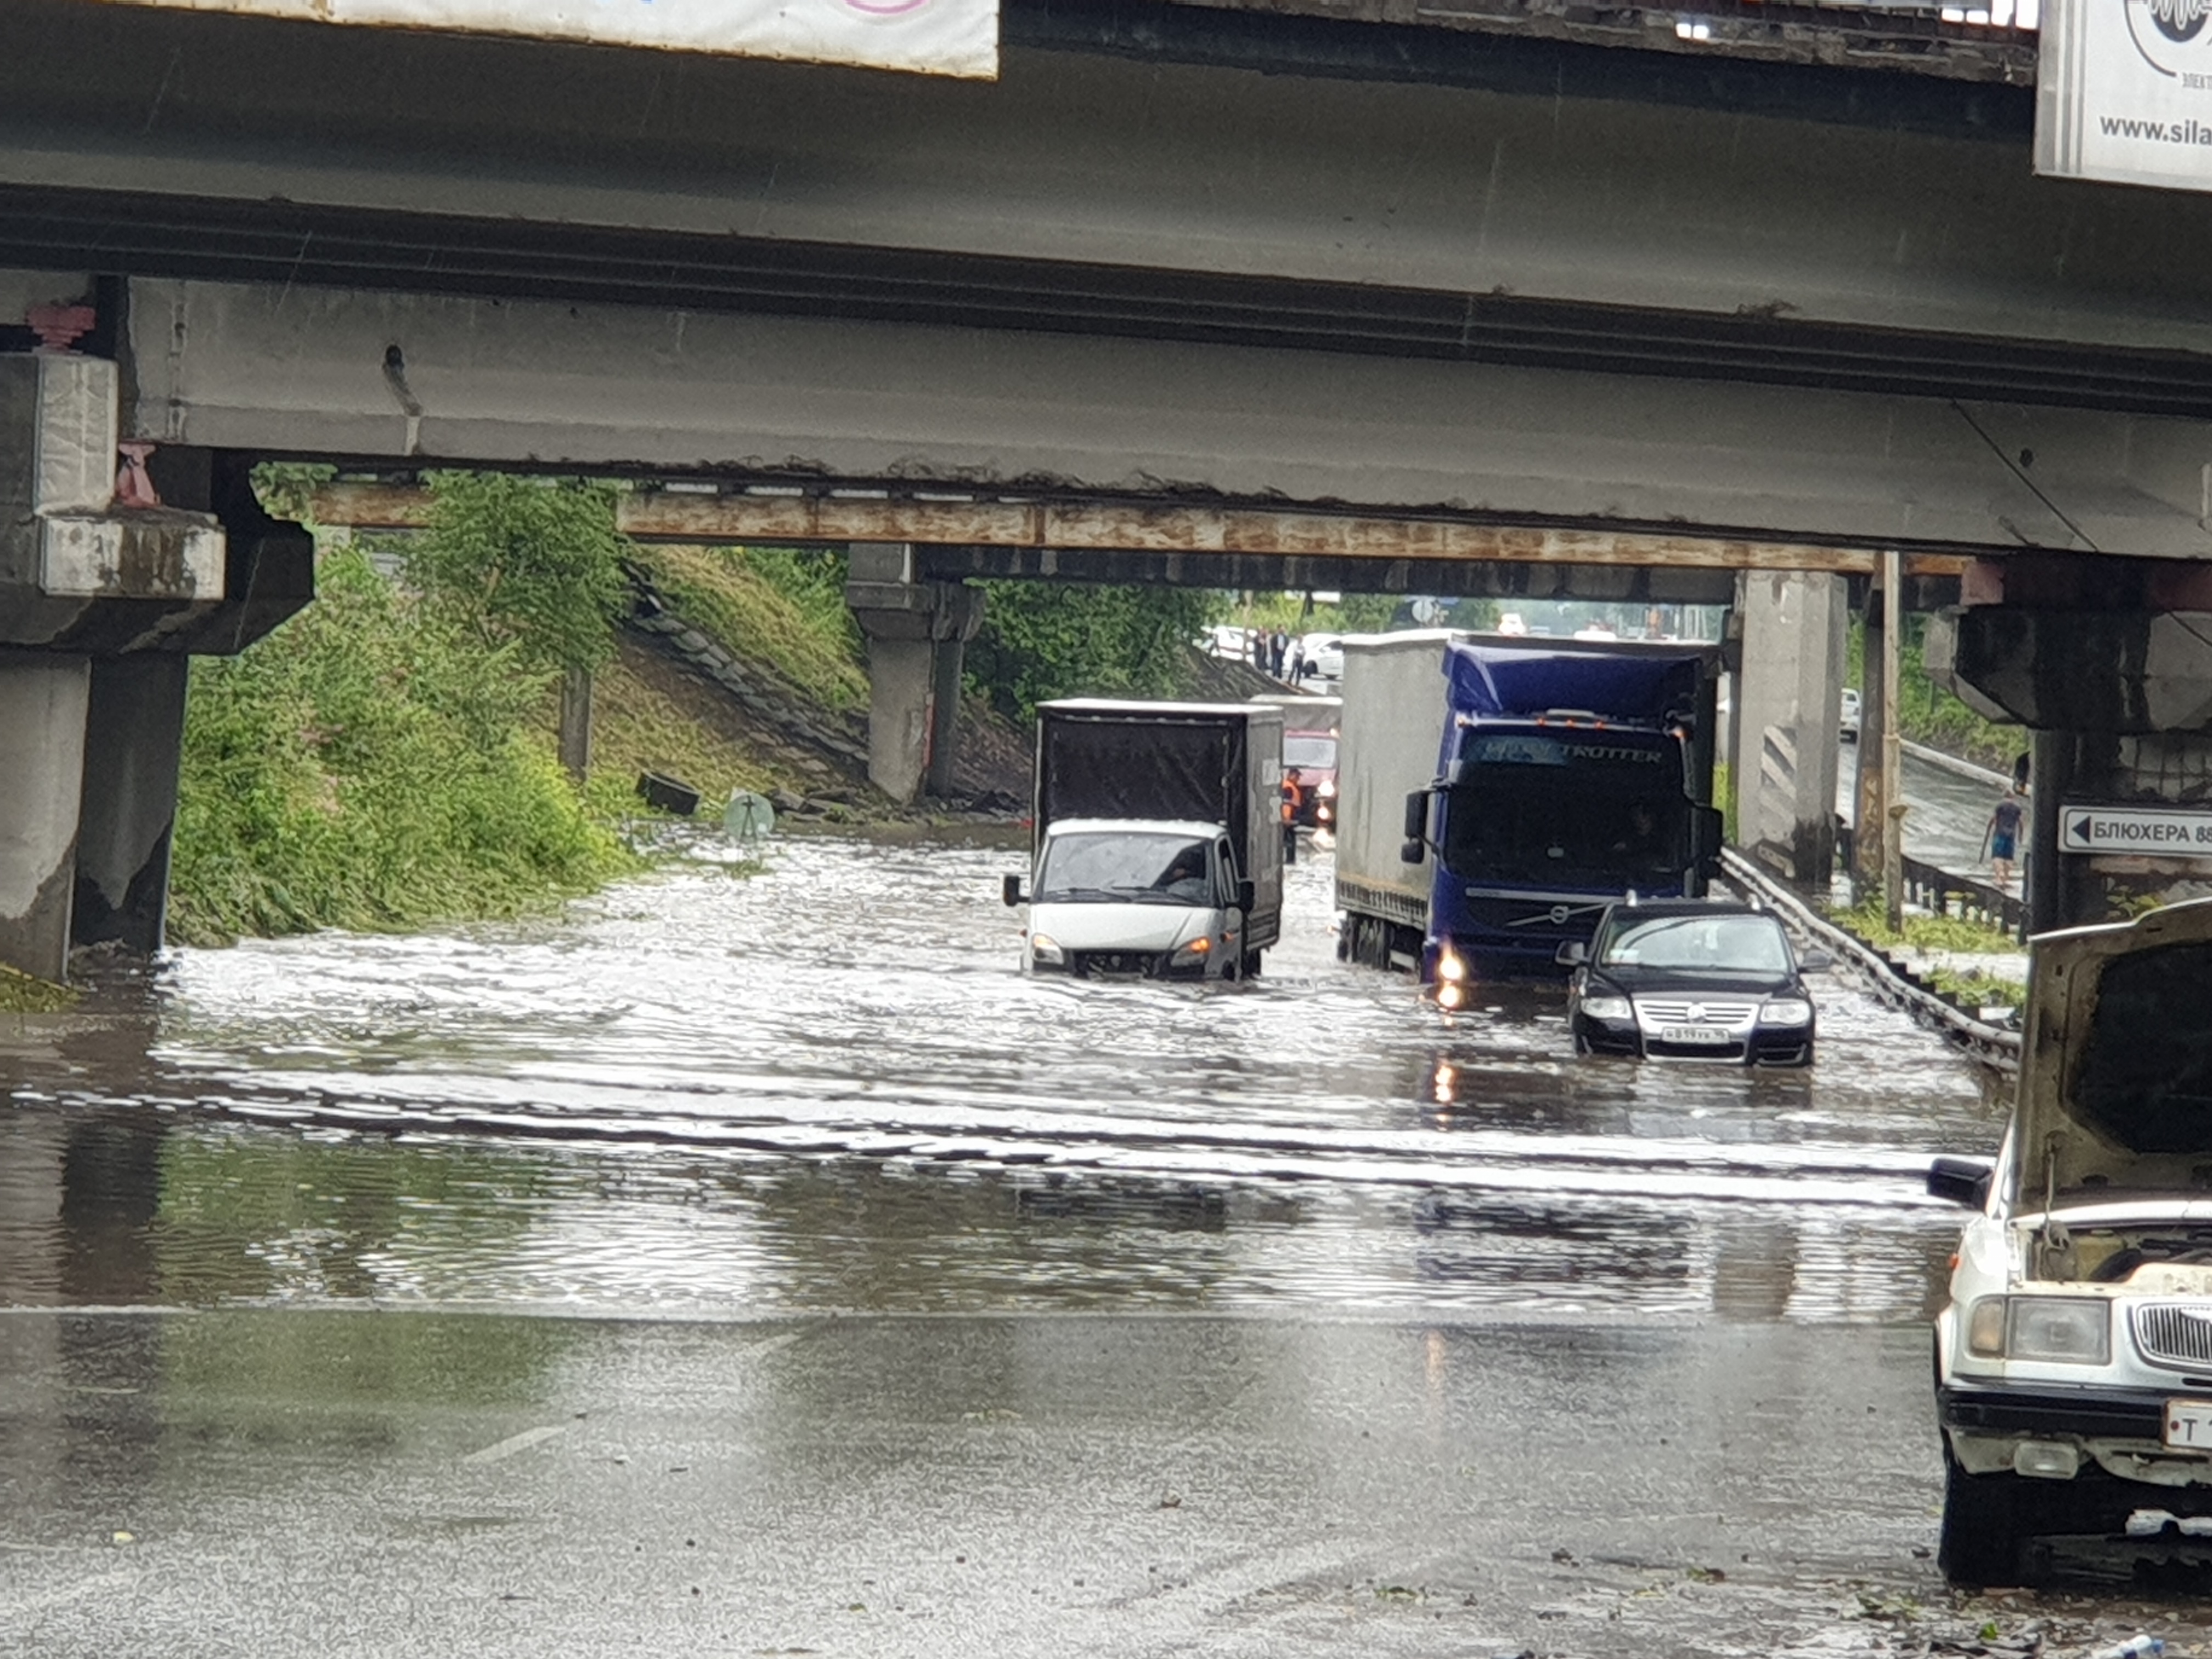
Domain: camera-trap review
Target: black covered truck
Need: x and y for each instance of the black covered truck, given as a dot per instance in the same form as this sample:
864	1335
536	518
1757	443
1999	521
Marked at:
1158	845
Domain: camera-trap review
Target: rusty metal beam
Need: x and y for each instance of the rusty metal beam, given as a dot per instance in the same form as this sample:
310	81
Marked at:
838	518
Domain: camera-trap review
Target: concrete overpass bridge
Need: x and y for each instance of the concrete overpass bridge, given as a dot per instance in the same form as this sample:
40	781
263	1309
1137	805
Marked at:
1470	281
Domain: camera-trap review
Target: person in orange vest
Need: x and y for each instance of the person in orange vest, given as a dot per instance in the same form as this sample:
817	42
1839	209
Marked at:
1294	795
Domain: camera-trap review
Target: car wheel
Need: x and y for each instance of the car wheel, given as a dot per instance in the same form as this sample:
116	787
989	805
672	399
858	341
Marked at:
1983	1527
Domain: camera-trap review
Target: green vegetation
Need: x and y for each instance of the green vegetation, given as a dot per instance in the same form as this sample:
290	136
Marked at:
1869	919
1045	639
21	994
1927	714
371	764
535	564
782	610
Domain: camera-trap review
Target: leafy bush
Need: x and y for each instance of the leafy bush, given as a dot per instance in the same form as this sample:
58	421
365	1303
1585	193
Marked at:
368	765
1045	639
535	563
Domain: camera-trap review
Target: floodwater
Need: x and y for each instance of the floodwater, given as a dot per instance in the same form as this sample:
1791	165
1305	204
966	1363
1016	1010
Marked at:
825	1086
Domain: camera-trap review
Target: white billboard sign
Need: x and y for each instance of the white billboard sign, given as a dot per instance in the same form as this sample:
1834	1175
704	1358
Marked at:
2123	91
930	37
2167	832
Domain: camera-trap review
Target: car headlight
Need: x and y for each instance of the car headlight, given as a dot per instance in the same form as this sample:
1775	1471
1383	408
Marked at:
1607	1007
2067	1330
1786	1011
1044	948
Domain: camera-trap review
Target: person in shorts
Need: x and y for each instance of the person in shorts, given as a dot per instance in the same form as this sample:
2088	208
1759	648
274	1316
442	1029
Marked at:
2001	839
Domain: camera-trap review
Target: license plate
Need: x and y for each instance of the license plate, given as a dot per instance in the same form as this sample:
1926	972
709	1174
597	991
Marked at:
2188	1424
1710	1036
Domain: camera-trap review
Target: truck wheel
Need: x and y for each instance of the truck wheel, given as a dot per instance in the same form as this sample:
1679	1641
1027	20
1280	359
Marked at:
1250	968
1982	1530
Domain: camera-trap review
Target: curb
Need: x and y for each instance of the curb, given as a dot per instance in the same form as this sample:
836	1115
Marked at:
1992	1045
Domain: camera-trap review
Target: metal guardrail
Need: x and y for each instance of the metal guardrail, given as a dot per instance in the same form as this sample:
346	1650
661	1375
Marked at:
1993	1045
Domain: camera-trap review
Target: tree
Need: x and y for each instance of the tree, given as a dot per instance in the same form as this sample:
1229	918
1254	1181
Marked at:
1045	639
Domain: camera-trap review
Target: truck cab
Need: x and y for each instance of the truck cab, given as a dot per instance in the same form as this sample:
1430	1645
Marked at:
1121	899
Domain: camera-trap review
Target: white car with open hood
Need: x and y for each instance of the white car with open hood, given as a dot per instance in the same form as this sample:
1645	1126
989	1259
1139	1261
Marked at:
2074	1362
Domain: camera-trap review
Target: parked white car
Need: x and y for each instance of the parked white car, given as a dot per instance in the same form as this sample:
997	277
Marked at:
1847	715
2074	1362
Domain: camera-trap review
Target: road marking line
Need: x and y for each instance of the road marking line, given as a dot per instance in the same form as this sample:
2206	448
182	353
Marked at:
514	1443
761	1349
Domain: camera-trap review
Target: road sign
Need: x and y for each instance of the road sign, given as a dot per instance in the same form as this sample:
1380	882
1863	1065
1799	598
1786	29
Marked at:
2123	92
2164	831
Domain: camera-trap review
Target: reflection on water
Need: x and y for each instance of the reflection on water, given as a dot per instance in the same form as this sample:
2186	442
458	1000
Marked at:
827	1087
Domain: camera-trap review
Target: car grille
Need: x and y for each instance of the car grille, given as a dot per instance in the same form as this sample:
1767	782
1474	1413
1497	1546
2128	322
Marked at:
2175	1333
1653	1012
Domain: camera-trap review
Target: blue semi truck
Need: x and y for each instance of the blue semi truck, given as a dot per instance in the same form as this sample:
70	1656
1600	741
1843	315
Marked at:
1496	794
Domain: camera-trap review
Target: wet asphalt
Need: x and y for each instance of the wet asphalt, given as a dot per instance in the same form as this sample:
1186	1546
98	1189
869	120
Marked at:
770	1238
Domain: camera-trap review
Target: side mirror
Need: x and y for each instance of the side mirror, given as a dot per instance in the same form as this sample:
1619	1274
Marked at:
1417	816
1572	954
1413	851
1815	962
1011	890
1959	1181
1245	895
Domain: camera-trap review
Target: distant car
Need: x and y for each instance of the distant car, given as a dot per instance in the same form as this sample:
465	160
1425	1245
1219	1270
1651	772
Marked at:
1847	719
1312	756
1513	622
1324	657
1692	979
1227	640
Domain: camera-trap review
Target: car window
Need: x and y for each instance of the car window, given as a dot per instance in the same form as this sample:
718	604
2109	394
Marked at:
1749	945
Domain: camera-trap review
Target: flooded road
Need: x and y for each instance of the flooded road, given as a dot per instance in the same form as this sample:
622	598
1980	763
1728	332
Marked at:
905	1304
826	1086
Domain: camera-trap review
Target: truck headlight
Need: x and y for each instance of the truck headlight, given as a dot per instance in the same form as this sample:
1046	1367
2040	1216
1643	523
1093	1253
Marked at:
1197	951
1449	968
1607	1007
1326	789
1786	1011
2066	1330
1046	949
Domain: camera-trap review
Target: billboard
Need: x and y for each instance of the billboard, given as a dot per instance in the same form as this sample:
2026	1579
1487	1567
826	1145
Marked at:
929	37
2123	91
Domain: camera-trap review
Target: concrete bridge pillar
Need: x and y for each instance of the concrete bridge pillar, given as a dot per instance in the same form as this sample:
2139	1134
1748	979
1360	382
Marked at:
105	588
916	632
134	736
43	698
2109	662
1785	710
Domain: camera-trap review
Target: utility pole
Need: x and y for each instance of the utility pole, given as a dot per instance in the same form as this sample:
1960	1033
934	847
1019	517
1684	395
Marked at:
1892	791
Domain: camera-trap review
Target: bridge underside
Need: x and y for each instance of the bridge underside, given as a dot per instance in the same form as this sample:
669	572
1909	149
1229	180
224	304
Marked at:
1174	250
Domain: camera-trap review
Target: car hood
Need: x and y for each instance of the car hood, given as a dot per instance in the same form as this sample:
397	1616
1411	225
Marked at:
2116	1062
1679	982
1120	927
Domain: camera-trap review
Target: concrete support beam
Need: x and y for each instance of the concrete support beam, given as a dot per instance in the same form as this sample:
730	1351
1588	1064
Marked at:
960	613
915	630
43	701
1870	804
134	734
1785	768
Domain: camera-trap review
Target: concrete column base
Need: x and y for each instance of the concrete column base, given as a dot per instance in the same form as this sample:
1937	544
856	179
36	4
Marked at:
900	672
134	735
43	701
1787	701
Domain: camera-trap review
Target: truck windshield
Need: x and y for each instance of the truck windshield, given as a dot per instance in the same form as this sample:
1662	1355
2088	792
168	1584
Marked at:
1104	867
1604	811
1299	750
